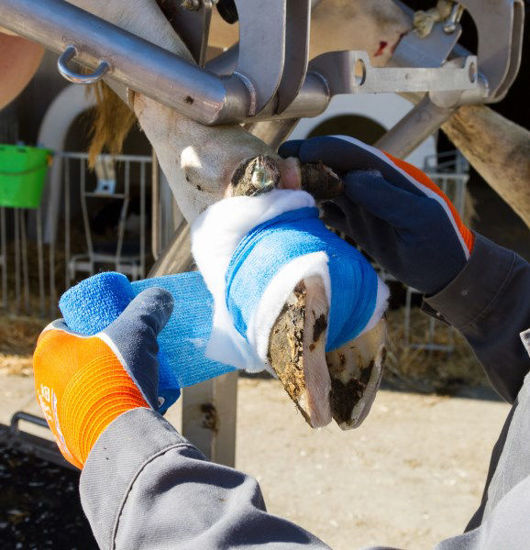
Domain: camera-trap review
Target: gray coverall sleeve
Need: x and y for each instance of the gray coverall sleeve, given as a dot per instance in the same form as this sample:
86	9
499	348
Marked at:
489	303
145	487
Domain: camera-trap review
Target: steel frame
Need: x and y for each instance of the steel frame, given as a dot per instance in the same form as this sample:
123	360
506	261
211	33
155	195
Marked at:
283	86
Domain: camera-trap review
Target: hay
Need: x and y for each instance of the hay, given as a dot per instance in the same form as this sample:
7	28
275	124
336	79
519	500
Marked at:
429	371
18	336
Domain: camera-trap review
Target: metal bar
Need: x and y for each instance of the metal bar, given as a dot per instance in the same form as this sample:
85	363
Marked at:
191	25
40	263
349	72
296	51
272	132
67	221
117	158
29	443
25	269
21	415
3	230
84	210
51	269
142	220
421	122
176	257
225	63
155	207
123	214
134	62
17	258
259	36
201	95
209	417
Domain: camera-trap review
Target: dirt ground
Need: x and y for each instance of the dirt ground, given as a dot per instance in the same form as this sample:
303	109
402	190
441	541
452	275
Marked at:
411	475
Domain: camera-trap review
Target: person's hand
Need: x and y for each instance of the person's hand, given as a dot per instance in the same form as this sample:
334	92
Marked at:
83	383
392	210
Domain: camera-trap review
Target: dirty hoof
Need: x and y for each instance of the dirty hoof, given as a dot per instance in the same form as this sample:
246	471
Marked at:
355	370
340	384
297	351
263	173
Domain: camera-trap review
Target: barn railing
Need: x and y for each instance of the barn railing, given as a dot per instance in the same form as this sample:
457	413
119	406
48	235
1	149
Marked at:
91	202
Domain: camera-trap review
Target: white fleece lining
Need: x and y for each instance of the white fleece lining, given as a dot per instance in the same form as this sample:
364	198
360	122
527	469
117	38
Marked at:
381	304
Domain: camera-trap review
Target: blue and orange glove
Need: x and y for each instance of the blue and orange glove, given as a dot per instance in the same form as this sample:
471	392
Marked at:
392	210
83	383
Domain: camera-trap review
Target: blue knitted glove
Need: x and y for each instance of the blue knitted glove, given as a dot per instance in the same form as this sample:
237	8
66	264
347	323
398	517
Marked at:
392	210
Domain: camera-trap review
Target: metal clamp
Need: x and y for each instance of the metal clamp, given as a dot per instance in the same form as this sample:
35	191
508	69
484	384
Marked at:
77	78
260	87
191	21
349	72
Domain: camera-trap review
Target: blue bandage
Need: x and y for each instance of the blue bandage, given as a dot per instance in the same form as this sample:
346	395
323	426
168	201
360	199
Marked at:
96	302
273	244
224	320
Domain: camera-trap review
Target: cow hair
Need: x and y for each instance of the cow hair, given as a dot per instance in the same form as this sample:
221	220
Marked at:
112	121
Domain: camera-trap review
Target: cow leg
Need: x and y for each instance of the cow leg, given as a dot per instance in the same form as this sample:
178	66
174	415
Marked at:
203	164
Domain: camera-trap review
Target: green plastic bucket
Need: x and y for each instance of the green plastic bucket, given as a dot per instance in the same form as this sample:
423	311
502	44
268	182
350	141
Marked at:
22	175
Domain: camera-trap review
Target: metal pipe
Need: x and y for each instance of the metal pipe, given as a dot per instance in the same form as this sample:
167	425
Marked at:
421	122
272	132
16	218
176	257
67	222
25	266
3	241
137	64
40	262
141	275
133	61
21	415
155	206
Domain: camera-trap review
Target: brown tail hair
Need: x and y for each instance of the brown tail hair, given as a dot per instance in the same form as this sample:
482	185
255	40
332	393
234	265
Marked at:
112	122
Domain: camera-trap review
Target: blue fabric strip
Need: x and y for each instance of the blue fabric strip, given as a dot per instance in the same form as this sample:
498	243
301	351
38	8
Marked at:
273	244
93	304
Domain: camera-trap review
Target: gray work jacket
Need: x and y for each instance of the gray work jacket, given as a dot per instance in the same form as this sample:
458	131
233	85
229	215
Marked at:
146	487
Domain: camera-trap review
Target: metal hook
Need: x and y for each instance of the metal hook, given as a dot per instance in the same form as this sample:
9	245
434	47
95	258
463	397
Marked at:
76	78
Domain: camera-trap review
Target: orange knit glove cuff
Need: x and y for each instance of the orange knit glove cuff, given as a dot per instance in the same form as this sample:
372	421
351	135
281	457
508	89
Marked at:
82	387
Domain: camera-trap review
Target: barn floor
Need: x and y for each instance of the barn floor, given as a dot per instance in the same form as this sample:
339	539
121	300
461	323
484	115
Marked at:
411	475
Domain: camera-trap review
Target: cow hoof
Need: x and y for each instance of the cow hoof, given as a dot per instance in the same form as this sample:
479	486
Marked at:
340	384
356	370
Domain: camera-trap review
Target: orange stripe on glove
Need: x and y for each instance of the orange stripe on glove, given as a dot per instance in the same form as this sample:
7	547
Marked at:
81	387
423	179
